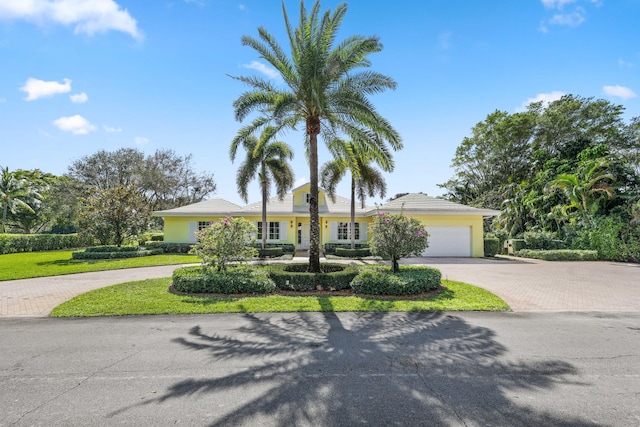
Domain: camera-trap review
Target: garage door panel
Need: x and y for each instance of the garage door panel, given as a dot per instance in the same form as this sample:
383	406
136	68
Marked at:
449	241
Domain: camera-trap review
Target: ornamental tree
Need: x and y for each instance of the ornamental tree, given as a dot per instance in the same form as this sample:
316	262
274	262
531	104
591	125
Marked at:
226	241
395	236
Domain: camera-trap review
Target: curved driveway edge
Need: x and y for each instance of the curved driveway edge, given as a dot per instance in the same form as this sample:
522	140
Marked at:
36	297
535	285
526	285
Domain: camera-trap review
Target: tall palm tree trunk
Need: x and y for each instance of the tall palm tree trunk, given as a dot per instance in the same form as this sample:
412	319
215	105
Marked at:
314	219
265	227
352	228
4	216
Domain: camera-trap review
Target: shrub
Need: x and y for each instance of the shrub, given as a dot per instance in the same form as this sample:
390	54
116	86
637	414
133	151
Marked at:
397	236
136	253
491	246
12	243
559	254
330	248
410	280
234	280
225	241
542	240
334	277
516	245
287	248
269	252
614	238
112	249
157	237
170	248
353	253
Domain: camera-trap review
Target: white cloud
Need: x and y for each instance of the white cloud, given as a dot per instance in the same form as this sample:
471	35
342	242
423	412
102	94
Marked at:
300	181
624	64
556	4
619	91
140	140
79	98
77	125
36	89
110	129
87	16
267	71
572	19
546	98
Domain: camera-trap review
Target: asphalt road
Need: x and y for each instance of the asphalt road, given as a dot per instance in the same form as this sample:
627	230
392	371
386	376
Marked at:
315	369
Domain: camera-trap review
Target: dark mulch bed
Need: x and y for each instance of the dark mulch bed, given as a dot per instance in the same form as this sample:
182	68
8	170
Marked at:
345	293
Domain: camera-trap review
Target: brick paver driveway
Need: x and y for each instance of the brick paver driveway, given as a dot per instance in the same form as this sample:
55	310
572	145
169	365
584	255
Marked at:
533	285
526	285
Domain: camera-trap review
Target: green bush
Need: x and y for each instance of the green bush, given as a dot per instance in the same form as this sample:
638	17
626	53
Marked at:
353	253
157	237
112	249
170	248
269	252
614	238
13	243
559	254
542	240
235	280
491	246
116	254
334	277
287	248
330	248
517	244
410	280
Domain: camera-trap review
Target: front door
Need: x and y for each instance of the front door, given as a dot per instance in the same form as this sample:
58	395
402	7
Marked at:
304	236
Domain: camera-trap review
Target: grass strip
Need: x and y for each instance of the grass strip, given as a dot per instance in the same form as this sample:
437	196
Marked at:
25	265
152	297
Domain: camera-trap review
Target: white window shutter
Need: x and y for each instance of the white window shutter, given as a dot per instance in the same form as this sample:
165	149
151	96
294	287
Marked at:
284	227
333	230
193	228
363	231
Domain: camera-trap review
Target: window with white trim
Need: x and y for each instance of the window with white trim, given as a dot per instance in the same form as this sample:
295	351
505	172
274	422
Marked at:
203	224
273	232
343	231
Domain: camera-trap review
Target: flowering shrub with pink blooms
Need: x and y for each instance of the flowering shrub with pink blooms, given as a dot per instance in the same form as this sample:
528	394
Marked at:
396	236
225	241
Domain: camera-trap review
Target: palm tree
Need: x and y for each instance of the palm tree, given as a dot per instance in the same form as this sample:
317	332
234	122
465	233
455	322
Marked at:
588	189
267	159
365	179
13	190
322	90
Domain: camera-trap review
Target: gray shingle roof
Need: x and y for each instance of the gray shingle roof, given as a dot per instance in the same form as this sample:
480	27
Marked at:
212	207
426	205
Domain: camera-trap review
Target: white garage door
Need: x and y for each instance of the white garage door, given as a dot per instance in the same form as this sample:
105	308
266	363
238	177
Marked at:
449	241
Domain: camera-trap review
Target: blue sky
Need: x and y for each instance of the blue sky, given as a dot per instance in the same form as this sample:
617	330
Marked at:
79	76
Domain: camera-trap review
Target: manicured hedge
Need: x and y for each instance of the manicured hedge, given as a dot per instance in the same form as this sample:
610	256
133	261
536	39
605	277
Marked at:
491	246
409	280
12	243
112	249
269	252
334	277
330	248
287	248
559	255
236	280
118	254
353	253
170	248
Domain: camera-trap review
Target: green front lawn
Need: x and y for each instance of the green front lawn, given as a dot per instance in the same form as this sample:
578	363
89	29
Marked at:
55	263
152	297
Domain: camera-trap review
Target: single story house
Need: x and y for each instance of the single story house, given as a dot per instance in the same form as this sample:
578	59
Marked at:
454	229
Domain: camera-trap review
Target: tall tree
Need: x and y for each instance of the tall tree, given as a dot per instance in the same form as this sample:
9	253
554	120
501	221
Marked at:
365	179
13	192
323	89
267	160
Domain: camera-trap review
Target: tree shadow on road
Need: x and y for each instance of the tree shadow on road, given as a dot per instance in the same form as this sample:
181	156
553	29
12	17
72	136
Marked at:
375	368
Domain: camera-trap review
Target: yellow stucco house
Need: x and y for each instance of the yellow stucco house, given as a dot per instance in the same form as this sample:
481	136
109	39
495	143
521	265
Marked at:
454	229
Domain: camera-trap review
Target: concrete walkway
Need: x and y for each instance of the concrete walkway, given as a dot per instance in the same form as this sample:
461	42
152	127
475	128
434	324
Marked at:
526	285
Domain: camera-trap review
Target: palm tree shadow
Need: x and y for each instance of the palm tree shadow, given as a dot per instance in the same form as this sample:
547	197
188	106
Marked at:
376	368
